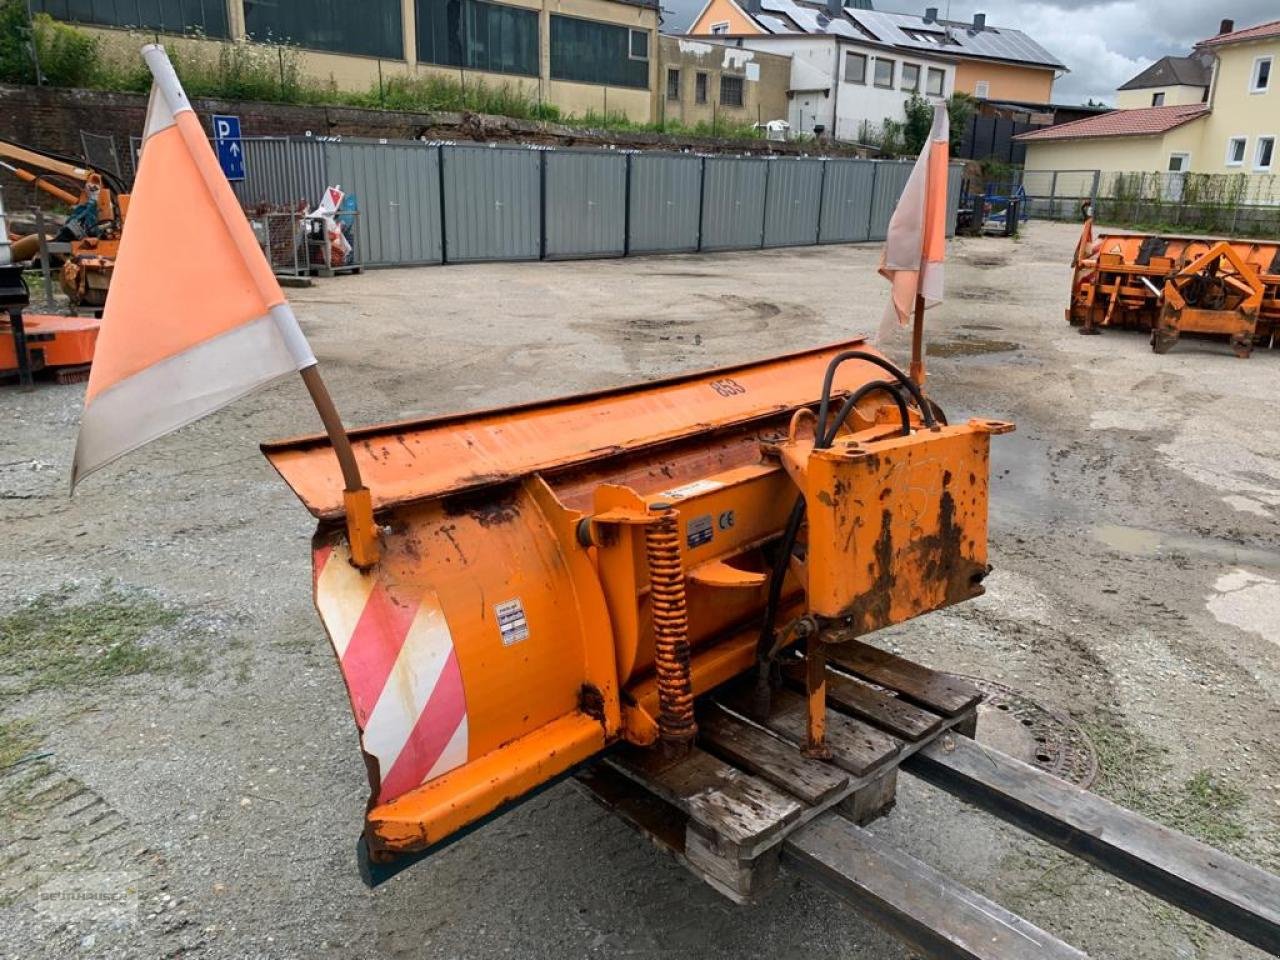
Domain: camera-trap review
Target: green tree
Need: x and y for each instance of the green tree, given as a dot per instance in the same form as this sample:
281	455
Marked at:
16	65
919	113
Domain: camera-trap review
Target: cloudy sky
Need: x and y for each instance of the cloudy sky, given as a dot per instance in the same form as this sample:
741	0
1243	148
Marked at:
1104	44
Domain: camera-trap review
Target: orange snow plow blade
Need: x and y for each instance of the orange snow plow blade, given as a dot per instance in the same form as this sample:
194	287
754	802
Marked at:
524	614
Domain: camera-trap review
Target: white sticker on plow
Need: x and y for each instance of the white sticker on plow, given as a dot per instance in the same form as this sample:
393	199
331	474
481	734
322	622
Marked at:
692	489
511	621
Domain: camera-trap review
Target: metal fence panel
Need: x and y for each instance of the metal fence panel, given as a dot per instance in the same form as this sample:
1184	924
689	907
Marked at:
664	201
846	201
733	198
955	180
794	203
281	170
891	177
397	191
492	204
585	212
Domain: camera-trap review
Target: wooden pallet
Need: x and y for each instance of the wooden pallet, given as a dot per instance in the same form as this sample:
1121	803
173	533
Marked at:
746	801
725	809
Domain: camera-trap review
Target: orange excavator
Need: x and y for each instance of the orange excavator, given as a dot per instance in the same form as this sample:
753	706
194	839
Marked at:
99	202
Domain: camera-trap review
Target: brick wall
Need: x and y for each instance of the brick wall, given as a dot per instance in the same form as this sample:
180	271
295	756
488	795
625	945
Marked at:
51	119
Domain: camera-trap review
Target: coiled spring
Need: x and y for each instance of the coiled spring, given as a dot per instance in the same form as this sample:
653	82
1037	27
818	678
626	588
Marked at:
667	607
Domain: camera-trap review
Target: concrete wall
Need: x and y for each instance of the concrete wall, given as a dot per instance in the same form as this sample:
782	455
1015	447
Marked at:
1175	95
361	73
1006	81
765	80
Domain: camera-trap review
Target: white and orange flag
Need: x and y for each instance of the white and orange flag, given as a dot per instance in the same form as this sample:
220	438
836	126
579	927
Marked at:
194	318
917	238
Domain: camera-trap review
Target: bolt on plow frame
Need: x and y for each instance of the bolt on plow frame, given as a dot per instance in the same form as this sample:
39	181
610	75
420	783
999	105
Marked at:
663	591
1169	285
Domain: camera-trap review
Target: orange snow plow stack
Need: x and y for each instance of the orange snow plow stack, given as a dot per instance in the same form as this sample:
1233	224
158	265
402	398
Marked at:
561	576
1175	285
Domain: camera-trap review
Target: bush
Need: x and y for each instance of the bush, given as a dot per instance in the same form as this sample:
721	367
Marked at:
16	65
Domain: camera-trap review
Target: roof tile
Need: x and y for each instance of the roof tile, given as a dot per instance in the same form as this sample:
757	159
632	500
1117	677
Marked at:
1146	122
1259	32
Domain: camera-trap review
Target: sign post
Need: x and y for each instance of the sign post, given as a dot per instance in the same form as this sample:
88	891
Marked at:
226	138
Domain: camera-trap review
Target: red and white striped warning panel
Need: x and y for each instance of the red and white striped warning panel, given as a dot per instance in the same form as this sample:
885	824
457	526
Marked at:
401	671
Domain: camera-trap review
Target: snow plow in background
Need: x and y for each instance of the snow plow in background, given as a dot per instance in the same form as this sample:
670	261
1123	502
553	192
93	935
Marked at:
1170	286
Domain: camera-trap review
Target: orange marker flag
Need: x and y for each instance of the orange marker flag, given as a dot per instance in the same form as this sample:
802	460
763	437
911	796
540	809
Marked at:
194	318
917	237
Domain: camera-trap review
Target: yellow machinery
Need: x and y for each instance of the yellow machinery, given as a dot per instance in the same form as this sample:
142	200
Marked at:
557	577
1175	285
99	205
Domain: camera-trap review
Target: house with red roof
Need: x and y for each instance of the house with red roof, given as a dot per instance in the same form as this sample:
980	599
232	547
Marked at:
1216	111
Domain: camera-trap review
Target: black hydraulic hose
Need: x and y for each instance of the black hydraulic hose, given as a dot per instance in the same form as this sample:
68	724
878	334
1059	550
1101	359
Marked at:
825	406
792	529
851	401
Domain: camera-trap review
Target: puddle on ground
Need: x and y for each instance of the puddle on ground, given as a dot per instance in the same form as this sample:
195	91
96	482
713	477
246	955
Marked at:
971	347
1142	542
981	326
1021	484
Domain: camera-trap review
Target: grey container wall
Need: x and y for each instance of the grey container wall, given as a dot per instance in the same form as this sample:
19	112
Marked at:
793	203
492	204
665	196
397	191
954	177
733	196
846	201
281	170
585	204
891	177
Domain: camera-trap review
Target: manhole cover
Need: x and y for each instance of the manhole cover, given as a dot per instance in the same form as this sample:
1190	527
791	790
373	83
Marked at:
1015	724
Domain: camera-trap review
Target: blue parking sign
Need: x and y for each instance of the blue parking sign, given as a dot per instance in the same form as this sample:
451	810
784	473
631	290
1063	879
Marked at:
226	138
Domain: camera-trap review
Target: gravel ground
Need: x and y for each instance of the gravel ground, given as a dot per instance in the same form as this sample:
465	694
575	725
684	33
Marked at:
197	790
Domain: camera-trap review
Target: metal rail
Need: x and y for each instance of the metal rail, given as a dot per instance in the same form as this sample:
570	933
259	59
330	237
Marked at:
1222	890
939	917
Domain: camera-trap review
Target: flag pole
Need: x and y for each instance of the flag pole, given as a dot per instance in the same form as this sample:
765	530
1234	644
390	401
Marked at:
917	344
362	531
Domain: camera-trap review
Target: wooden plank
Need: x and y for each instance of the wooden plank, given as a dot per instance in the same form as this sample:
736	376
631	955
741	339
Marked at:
747	746
1230	894
937	691
939	917
743	814
855	746
874	705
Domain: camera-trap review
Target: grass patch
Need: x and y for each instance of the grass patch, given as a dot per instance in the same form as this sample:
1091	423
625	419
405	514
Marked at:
63	639
1131	771
17	739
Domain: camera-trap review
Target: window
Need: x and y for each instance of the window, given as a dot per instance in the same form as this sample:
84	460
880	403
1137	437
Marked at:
937	79
1262	153
1157	99
639	45
478	35
673	84
591	52
165	16
373	29
700	88
982	89
884	73
855	67
730	91
1235	151
1179	162
721	27
911	77
1261	77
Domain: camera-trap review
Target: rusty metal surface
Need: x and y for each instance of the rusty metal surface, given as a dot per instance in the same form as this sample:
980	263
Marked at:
1168	285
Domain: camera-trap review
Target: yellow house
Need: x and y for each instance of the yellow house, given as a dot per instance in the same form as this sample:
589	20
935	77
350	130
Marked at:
1233	128
580	55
